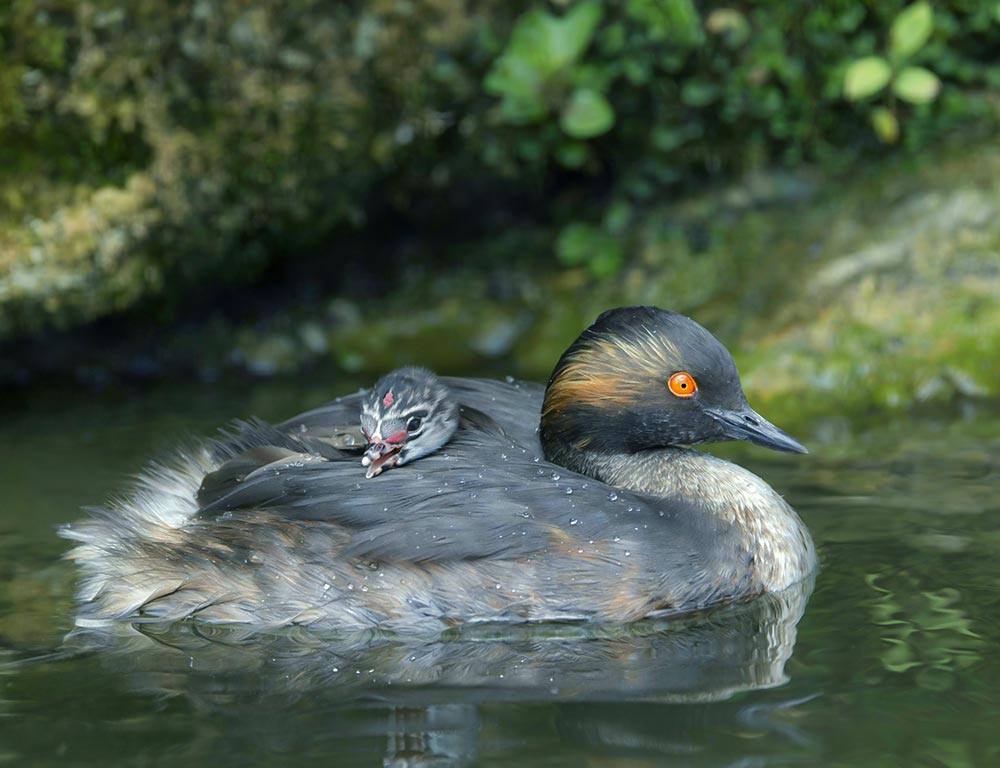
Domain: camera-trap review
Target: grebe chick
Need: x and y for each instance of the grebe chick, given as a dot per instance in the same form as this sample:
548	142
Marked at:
409	413
602	512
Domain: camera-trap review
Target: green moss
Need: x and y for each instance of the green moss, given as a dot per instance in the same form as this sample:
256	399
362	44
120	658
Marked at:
85	260
902	305
255	131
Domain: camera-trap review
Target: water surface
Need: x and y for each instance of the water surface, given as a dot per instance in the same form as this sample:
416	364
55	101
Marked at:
891	660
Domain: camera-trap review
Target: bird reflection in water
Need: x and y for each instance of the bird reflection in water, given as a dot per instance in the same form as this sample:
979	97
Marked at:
424	696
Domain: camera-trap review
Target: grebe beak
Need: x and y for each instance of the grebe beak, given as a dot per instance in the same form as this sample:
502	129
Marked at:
746	424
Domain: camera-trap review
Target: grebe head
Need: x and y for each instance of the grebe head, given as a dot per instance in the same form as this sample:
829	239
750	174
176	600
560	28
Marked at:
642	378
409	413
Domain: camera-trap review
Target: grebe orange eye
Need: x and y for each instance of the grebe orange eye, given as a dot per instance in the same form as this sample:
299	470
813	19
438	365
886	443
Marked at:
682	384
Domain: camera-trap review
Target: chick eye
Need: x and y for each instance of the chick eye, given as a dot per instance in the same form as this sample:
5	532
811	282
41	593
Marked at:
413	424
682	384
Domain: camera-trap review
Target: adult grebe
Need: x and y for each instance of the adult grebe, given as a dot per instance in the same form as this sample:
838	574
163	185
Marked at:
605	517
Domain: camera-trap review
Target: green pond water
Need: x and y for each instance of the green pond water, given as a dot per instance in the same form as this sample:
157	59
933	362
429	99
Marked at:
891	660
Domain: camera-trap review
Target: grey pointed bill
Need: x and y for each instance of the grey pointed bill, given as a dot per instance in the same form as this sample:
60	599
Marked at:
746	424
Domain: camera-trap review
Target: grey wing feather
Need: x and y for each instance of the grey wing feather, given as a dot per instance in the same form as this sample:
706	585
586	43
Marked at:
250	449
237	470
337	414
515	405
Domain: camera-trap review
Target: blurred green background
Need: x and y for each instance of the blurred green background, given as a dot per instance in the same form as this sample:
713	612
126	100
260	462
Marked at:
190	188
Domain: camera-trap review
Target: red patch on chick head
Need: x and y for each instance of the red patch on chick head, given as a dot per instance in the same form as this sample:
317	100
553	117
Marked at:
388	399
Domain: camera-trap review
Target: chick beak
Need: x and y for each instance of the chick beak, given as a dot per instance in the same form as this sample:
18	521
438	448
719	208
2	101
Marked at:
746	424
380	456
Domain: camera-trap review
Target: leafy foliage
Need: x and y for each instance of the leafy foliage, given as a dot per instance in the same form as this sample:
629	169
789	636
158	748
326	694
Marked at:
692	93
534	75
868	76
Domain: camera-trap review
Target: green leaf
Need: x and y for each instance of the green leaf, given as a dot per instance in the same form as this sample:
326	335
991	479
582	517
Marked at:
540	47
573	154
885	124
574	244
587	114
730	24
607	260
866	77
617	218
910	30
699	93
676	21
521	88
567	38
584	244
549	43
916	85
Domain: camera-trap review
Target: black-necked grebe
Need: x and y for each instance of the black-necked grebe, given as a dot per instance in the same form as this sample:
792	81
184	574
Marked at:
409	413
606	517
